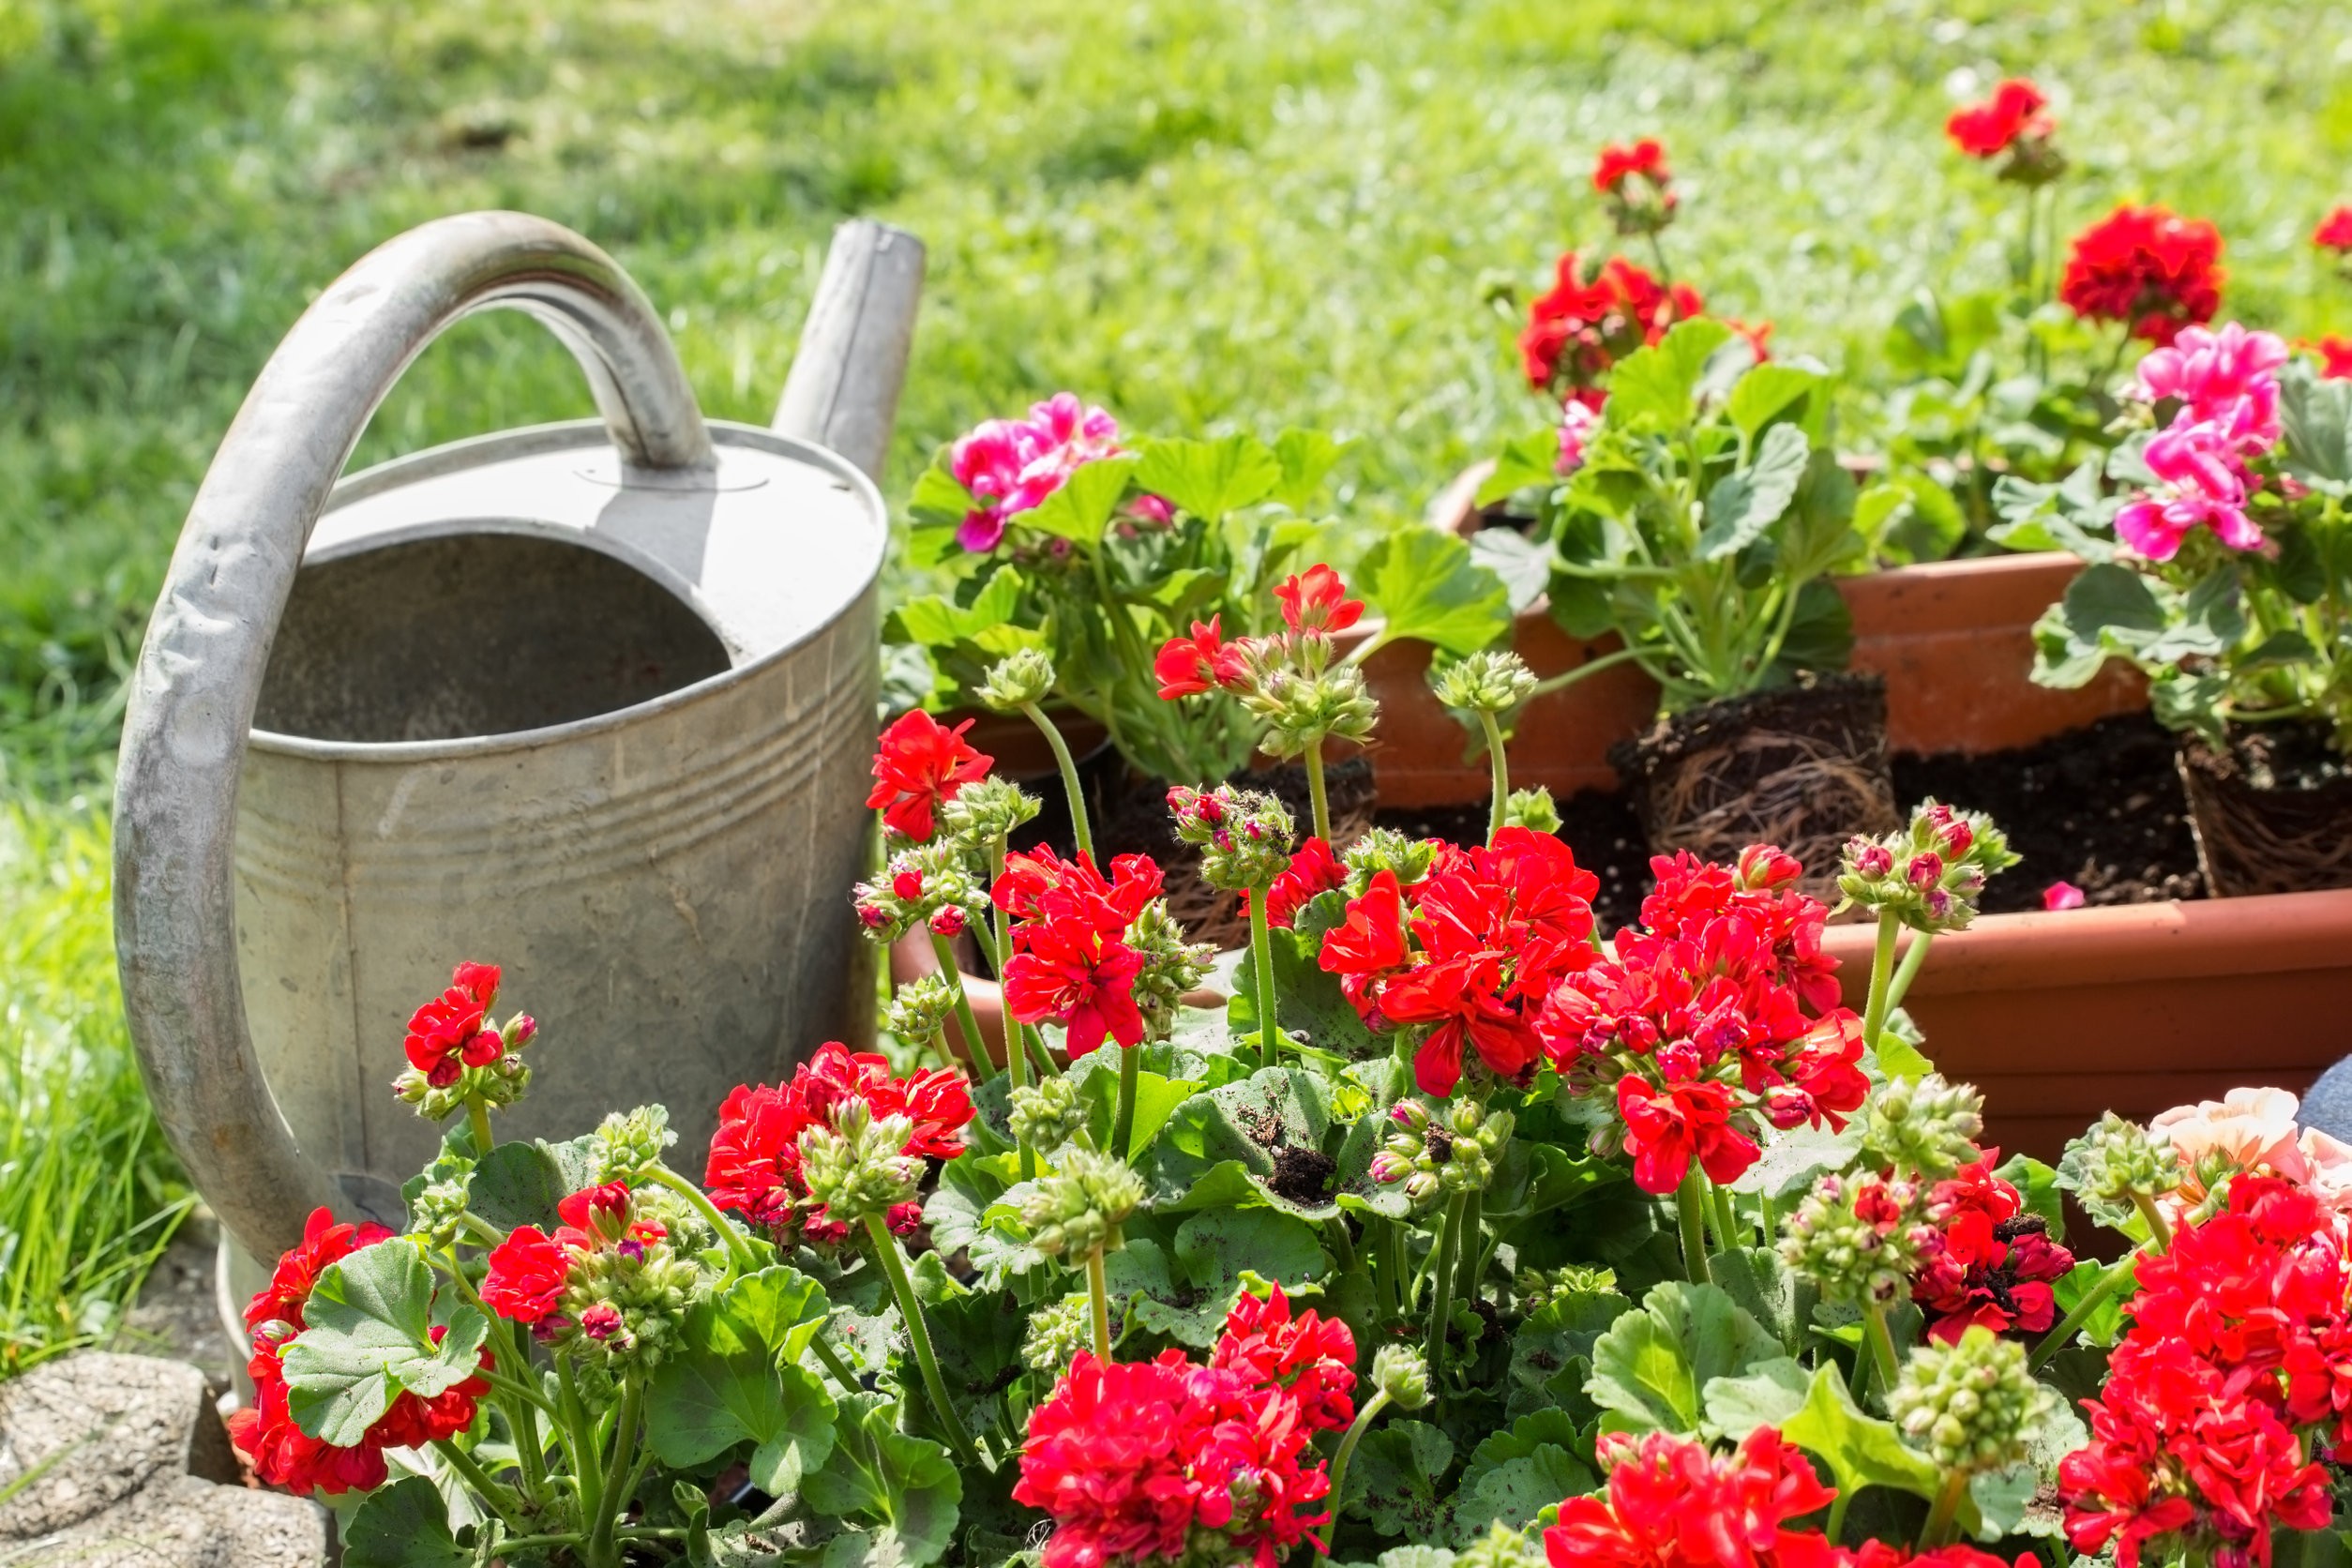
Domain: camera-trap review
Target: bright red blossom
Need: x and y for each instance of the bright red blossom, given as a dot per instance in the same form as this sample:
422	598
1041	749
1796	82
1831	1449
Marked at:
1994	1263
2335	230
2335	356
1314	870
1672	1504
528	1272
1188	665
1069	963
754	1166
1577	330
2016	111
2146	267
450	1032
1617	164
921	764
1317	601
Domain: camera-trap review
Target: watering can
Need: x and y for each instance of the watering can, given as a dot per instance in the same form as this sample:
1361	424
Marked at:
592	700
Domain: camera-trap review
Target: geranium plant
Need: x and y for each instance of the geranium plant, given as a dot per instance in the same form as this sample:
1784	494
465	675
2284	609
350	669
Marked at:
1087	551
1462	1228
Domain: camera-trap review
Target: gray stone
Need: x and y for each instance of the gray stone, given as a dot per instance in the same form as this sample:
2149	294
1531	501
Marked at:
118	1460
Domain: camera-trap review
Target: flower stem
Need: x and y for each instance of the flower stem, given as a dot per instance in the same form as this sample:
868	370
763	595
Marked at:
497	1498
601	1549
1261	951
1372	1407
579	1434
2158	1226
919	1333
2093	1299
1122	1125
1914	957
1317	799
1726	1219
1589	668
477	1117
832	1361
1441	1286
1499	768
1882	972
975	1047
1080	830
1394	1274
1098	1290
1472	1255
738	1244
1881	1348
1937	1530
1690	1213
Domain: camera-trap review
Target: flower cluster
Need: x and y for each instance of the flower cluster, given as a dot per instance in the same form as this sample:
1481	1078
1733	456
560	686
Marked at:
1243	835
2232	1383
756	1165
1638	185
2250	1131
2225	387
1171	1460
264	1432
1991	1263
1468	956
933	885
2148	267
1859	1240
1929	874
1313	871
1585	323
1444	1153
607	1277
456	1052
922	766
1099	956
2016	120
1292	681
1702	1027
1010	466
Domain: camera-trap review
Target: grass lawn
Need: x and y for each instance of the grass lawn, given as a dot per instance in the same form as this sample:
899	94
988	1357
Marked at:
1240	214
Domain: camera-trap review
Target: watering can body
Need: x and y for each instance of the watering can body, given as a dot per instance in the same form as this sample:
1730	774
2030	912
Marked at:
591	701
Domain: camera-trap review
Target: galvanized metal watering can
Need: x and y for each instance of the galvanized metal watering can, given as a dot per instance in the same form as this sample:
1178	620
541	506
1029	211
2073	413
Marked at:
592	700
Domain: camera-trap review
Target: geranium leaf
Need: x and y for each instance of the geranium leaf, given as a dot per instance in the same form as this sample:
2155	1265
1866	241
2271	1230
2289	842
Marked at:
726	1387
1659	384
1515	1474
1551	1353
1308	1001
1764	1397
405	1525
1394	1480
879	1474
370	1337
1649	1368
1213	1250
1766	393
1745	503
1425	586
1084	505
1276	1114
1860	1450
779	1310
1306	458
1209	479
518	1183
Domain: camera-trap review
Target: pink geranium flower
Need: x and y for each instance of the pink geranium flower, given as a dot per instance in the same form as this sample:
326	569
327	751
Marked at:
1012	465
2227	379
2202	483
1576	422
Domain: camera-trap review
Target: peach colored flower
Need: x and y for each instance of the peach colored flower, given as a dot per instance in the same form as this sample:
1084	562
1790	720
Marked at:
2252	1128
2331	1161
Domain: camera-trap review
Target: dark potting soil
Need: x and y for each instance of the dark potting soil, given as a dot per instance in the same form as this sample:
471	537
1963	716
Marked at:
2298	756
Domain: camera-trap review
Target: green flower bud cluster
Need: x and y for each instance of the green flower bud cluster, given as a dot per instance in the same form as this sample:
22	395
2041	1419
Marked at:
1970	1406
1533	809
1489	682
1384	849
938	884
1244	837
1930	874
1018	680
502	1082
1859	1240
1501	1547
1399	1372
2116	1162
1171	966
1047	1114
1927	1128
985	811
1538	1289
1080	1206
1439	1156
628	1148
1058	1332
1292	686
859	1167
436	1215
920	1008
630	1301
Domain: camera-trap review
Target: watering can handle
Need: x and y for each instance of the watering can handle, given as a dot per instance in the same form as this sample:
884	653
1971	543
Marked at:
199	670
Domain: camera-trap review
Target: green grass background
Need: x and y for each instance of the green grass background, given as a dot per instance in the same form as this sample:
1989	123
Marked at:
1203	214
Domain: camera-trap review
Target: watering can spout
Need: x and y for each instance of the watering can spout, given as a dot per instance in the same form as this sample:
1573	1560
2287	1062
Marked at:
843	389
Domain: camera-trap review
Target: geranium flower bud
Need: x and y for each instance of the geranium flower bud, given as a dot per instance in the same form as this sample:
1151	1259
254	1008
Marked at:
1925	870
1970	1406
1489	682
1172	966
1926	1128
1048	1114
436	1215
1245	835
920	1008
1859	1241
986	811
628	1148
1017	681
1538	1289
1078	1208
2115	1163
1058	1332
919	883
521	1031
1399	1372
272	1333
600	1321
1766	867
1868	859
907	886
1501	1547
1533	809
857	1166
948	922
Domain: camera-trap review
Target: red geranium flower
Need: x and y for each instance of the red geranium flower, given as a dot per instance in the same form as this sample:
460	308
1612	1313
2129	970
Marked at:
1994	1264
1617	164
754	1165
449	1034
324	1240
1314	870
2016	110
1038	884
922	762
1313	1356
1317	601
1578	329
1069	972
2335	230
1188	665
2148	267
1665	1129
527	1275
1672	1504
2335	356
